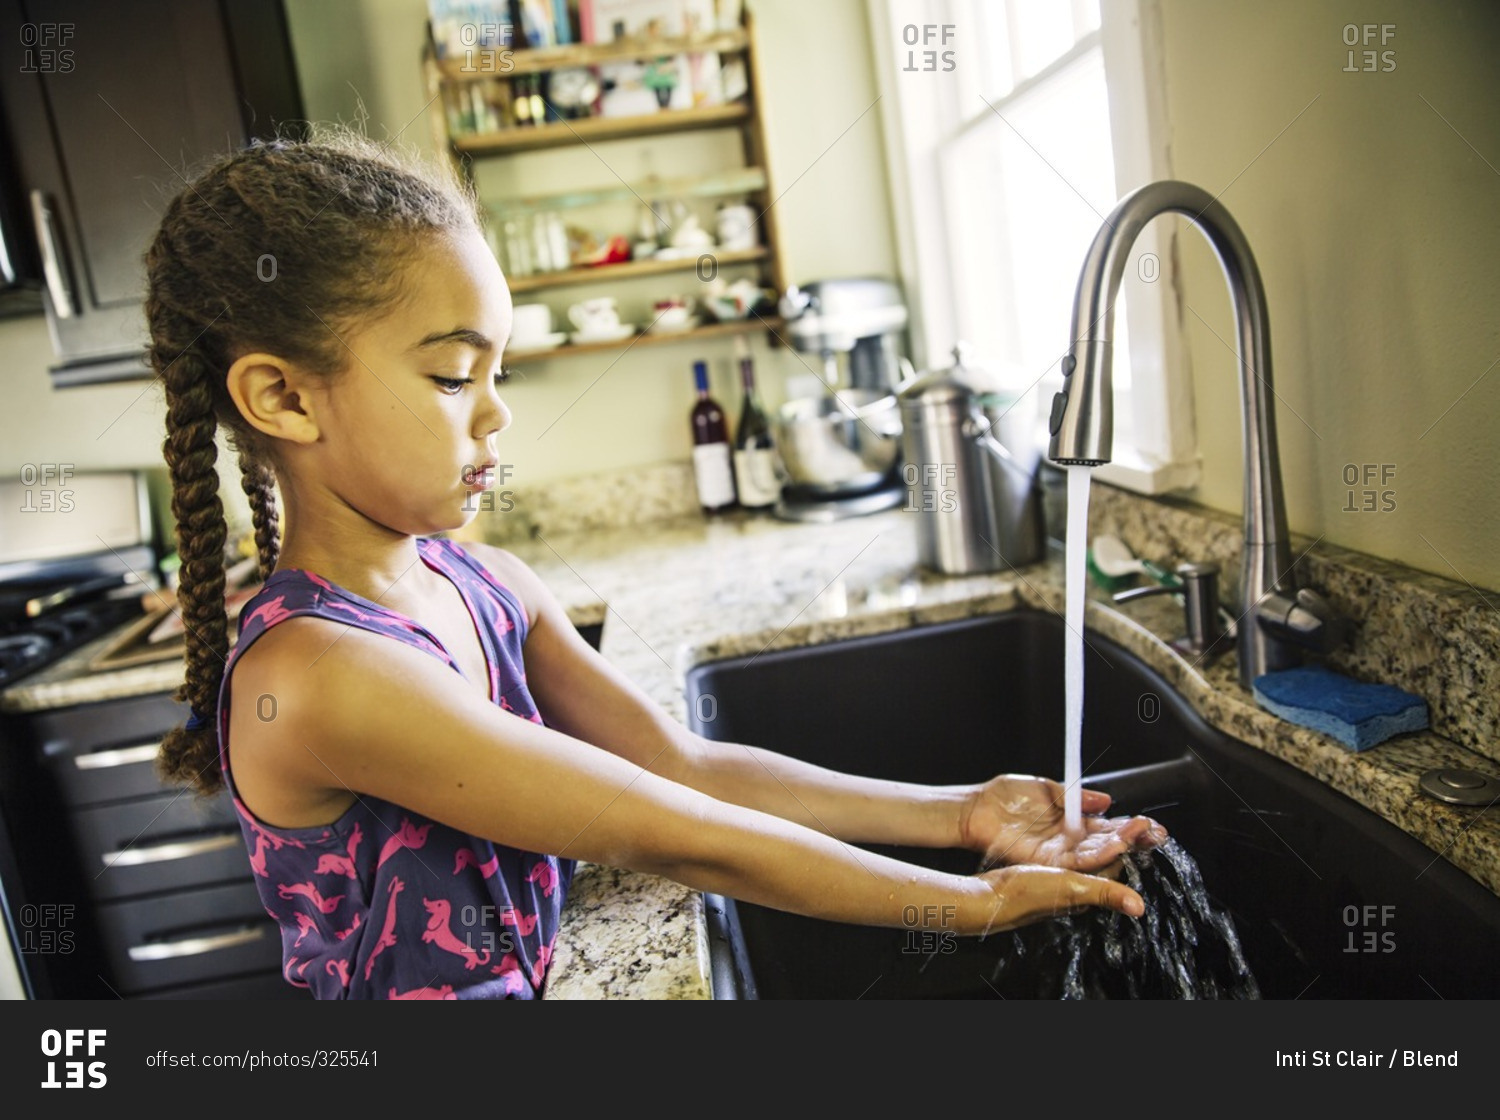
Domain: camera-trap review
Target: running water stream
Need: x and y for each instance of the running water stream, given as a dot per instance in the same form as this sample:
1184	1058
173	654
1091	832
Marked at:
1075	576
1185	946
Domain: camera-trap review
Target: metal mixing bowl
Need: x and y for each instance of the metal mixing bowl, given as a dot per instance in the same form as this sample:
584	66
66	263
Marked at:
827	451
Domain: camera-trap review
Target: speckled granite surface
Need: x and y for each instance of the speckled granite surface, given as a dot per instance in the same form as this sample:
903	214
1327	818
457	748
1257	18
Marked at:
678	592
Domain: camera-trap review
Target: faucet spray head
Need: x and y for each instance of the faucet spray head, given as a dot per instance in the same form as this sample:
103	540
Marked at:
1082	420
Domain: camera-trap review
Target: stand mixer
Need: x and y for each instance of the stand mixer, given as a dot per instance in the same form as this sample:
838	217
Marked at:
842	448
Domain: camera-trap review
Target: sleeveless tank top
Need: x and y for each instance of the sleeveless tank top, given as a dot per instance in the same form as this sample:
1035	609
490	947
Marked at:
385	903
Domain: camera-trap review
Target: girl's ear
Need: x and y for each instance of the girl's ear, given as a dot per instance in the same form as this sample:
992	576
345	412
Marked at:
273	396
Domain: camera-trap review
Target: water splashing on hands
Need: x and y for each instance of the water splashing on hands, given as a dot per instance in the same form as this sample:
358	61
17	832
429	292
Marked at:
1019	819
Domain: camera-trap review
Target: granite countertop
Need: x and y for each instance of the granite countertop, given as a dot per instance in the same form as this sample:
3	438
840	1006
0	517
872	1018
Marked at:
676	593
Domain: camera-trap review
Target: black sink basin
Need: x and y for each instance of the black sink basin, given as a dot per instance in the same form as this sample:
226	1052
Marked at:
1330	900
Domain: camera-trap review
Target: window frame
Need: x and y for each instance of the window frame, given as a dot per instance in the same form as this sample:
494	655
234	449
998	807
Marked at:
1155	444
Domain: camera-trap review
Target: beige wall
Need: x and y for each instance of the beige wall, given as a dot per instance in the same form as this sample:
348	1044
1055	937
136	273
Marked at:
1375	227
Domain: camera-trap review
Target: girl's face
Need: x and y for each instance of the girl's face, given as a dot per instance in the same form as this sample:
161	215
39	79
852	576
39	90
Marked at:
408	436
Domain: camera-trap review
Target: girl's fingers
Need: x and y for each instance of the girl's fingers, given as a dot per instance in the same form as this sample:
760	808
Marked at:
1094	801
1093	890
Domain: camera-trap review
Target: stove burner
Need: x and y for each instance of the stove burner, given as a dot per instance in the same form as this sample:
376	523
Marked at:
27	645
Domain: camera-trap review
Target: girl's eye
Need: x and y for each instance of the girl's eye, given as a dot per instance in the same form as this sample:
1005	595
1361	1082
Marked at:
455	385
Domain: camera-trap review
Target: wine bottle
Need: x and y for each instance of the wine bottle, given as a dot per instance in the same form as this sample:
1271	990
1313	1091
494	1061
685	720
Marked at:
754	449
713	467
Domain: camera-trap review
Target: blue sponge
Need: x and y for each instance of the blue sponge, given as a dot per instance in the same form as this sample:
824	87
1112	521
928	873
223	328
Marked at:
1358	715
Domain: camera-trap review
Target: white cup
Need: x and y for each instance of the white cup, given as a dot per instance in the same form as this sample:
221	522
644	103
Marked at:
595	316
736	226
530	322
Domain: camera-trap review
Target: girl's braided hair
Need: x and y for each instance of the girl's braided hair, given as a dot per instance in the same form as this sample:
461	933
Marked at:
278	247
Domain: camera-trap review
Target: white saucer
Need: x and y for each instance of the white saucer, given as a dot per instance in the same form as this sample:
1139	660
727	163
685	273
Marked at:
613	334
545	342
693	321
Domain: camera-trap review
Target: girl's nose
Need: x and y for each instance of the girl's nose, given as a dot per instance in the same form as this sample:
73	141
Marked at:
495	416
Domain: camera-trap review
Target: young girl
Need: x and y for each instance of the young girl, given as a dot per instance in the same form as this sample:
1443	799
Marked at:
418	743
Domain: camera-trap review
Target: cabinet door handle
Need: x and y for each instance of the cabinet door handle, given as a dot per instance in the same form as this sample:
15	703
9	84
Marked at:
54	268
194	946
170	850
119	756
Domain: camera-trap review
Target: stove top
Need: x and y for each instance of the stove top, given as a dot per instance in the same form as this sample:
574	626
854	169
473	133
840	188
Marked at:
30	644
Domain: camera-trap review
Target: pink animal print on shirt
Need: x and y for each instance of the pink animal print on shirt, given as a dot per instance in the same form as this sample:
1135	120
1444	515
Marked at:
263	840
543	959
544	875
306	925
509	970
387	936
344	934
312	894
524	923
407	835
339	969
467	857
269	613
439	934
445	992
332	863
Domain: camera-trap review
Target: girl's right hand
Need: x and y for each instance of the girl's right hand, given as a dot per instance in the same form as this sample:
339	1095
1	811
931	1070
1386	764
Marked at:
1026	893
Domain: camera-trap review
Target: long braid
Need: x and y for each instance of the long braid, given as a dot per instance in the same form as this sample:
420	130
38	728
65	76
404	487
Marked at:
189	754
268	249
259	484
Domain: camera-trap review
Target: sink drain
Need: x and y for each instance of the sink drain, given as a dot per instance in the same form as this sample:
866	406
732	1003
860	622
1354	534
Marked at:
1461	787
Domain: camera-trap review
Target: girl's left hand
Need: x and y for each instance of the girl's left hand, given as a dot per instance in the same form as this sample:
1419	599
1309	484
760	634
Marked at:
1016	818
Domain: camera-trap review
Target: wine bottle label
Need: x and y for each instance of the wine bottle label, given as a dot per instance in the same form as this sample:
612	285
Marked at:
714	474
755	474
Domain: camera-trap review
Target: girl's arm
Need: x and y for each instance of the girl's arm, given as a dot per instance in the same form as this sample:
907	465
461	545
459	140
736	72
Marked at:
583	694
357	711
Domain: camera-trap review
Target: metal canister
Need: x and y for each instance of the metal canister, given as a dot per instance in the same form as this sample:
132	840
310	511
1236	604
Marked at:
977	501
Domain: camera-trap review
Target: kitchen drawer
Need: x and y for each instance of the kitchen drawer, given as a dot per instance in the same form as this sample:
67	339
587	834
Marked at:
262	985
169	842
106	751
185	938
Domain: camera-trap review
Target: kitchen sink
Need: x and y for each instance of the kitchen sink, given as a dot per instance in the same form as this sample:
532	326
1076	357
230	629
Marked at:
1330	900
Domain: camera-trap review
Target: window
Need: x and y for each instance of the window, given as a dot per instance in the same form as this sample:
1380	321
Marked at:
1006	156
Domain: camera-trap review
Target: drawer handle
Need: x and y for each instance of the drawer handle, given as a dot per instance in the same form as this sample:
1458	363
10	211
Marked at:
193	946
170	850
120	756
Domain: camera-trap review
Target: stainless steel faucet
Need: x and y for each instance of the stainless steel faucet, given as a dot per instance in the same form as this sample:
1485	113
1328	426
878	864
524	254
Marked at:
1285	618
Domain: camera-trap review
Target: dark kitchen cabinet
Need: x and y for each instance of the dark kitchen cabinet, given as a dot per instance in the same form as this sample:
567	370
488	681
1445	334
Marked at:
109	105
116	885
